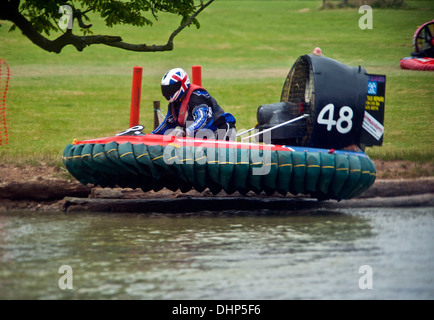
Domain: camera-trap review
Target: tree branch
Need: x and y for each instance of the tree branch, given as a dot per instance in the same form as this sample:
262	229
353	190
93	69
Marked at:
166	47
188	22
56	45
9	11
79	16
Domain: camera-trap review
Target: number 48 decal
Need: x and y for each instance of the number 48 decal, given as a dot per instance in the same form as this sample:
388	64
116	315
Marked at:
343	124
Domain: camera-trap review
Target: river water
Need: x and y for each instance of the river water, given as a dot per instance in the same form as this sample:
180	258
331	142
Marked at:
310	254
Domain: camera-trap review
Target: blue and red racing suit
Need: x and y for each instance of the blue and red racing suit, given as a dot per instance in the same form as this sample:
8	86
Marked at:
201	112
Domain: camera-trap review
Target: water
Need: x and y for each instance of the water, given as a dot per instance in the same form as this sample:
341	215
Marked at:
269	255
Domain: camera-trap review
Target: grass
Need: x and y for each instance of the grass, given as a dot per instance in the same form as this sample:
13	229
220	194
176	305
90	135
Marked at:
245	48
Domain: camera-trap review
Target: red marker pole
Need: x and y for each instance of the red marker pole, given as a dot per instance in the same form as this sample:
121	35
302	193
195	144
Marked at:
135	96
197	75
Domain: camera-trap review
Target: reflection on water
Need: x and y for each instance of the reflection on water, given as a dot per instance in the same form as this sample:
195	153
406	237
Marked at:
269	255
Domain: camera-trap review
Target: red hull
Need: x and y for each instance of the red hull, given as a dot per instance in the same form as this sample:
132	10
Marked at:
422	64
164	140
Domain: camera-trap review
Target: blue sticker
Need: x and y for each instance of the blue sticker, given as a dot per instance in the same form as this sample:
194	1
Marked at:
372	87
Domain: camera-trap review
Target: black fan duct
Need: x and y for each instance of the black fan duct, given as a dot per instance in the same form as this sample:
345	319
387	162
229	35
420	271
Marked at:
331	94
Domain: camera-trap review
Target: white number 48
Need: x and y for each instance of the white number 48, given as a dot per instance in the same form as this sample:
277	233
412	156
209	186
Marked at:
345	117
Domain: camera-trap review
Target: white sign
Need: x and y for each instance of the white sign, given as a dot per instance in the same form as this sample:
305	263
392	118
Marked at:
375	128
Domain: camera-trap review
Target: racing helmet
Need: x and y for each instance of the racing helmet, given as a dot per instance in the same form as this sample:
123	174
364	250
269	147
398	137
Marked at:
174	84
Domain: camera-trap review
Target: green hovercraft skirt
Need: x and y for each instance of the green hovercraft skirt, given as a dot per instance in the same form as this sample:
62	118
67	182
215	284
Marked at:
154	162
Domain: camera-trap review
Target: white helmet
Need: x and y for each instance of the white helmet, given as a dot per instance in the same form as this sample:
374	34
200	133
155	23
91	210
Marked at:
174	84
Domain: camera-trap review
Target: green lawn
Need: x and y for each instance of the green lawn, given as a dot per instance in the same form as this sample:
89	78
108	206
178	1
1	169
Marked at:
245	48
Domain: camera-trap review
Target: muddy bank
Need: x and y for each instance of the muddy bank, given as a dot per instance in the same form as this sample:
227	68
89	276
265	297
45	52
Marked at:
51	189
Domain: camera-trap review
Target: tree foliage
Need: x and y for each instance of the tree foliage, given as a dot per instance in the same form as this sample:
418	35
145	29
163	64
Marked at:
38	18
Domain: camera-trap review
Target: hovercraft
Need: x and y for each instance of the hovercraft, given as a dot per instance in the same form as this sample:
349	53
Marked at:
422	58
414	63
309	143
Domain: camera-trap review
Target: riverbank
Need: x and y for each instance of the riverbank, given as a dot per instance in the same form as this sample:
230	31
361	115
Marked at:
50	188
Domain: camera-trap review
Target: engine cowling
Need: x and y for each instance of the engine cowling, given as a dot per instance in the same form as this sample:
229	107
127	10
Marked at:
333	97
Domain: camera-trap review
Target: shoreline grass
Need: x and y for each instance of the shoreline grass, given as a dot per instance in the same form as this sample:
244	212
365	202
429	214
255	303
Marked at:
245	48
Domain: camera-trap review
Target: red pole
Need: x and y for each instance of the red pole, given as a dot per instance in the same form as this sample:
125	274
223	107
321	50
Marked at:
197	75
135	96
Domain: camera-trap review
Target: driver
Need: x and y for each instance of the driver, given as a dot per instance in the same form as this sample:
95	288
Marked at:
193	110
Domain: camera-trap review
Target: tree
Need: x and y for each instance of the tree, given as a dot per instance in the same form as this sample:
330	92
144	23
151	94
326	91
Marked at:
38	17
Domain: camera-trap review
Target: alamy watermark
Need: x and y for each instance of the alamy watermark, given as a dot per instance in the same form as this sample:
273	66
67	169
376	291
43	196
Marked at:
65	281
366	281
367	20
211	147
65	21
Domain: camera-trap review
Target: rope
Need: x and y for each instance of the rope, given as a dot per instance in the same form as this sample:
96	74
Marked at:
158	110
4	84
